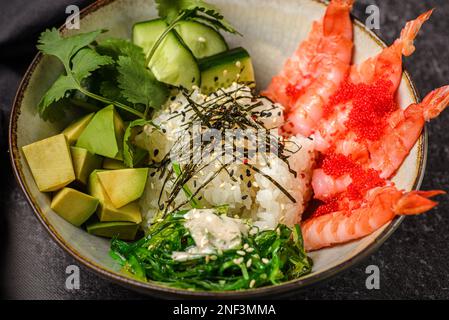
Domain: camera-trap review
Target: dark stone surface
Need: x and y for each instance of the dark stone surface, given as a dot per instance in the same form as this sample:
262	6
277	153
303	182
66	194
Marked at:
413	263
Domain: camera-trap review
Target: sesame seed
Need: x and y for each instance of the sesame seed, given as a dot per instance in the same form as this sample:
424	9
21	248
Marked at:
265	260
248	263
249	250
252	283
240	252
238	260
213	257
245	246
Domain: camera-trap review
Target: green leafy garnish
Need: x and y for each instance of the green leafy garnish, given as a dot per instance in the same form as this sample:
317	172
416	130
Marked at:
264	258
131	153
78	62
138	84
199	10
130	81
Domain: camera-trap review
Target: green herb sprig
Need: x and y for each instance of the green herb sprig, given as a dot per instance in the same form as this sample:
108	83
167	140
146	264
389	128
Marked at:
134	82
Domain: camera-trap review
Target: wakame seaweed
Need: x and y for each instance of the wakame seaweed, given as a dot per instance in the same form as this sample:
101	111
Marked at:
263	258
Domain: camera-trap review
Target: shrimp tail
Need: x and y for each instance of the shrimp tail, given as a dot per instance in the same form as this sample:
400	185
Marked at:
336	20
435	102
410	31
416	202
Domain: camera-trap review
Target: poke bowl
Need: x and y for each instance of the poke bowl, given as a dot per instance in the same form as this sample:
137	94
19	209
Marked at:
270	34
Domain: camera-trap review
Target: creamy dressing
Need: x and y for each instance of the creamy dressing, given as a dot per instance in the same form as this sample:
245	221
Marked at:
212	233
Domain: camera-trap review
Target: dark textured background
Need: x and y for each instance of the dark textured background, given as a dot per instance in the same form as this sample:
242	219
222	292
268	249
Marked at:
413	263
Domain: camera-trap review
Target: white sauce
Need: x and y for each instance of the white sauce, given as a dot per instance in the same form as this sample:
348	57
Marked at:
212	233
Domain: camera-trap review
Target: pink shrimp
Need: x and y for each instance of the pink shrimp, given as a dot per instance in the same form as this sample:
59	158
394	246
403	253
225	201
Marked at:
403	130
315	71
380	206
373	81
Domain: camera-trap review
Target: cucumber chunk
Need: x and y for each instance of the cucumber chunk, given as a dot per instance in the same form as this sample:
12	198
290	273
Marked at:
221	70
172	63
202	40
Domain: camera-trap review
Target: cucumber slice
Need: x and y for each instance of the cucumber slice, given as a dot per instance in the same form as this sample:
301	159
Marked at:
221	70
202	40
172	63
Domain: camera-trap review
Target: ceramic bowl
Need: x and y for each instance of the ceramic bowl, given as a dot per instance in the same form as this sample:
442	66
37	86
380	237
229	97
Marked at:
272	30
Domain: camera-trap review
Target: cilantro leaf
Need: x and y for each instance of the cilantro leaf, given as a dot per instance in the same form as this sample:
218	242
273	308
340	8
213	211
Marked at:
138	84
57	91
51	43
170	10
79	61
132	154
120	47
86	61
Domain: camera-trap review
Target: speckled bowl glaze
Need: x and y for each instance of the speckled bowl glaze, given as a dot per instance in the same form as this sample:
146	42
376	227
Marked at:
272	30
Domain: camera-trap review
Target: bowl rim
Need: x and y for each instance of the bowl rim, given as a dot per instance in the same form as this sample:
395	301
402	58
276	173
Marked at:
170	292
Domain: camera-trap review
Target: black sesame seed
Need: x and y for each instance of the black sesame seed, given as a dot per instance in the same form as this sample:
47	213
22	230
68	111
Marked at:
279	113
216	79
164	130
173	98
231	173
241	177
193	79
156	152
244	197
200	197
248	173
249	184
152	174
161	207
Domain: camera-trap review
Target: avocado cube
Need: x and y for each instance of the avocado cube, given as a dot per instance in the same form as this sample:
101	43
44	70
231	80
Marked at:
74	206
106	210
74	130
112	164
84	163
50	163
121	230
104	134
123	186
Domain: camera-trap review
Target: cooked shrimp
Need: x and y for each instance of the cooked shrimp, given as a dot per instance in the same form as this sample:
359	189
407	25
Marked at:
387	65
381	205
403	130
370	88
316	69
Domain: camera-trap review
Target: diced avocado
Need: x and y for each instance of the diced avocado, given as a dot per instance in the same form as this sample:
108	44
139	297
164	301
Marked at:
121	230
50	163
112	164
221	70
84	163
74	206
106	211
104	134
172	63
74	130
202	40
123	186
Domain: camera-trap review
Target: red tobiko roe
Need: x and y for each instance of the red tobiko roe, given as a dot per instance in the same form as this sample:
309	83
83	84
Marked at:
371	105
337	165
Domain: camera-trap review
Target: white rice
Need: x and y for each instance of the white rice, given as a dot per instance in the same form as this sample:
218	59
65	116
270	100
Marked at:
262	202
